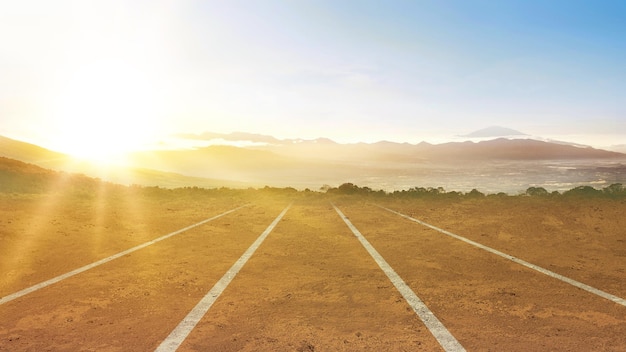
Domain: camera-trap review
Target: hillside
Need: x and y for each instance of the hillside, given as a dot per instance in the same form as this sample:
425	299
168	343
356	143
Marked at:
15	150
20	177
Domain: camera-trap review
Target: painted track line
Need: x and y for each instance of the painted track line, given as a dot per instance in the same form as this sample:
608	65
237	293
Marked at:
439	331
566	279
180	333
56	279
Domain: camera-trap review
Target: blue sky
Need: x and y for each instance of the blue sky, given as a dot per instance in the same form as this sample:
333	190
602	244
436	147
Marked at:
75	72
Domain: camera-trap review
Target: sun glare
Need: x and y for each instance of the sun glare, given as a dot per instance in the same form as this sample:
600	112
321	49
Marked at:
106	109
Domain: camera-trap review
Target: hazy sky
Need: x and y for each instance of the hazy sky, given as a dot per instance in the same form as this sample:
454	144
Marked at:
74	72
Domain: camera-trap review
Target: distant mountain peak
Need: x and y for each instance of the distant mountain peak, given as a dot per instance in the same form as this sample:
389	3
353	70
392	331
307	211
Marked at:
323	140
494	131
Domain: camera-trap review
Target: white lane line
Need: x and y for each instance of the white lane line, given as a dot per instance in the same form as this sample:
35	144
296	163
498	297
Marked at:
439	331
180	333
40	285
572	282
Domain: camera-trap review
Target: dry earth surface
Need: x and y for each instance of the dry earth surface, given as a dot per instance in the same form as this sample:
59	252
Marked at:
311	285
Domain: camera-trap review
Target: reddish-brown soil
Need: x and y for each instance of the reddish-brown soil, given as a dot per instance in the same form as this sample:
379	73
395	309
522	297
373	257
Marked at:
310	285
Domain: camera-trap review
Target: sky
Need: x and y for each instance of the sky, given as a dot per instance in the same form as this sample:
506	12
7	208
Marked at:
75	75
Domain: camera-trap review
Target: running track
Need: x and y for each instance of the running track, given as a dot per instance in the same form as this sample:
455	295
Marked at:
310	275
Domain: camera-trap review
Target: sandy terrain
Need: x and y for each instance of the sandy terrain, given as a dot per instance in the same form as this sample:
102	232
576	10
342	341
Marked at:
310	285
490	303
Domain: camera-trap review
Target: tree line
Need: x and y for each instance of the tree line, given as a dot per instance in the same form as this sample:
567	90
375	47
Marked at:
616	190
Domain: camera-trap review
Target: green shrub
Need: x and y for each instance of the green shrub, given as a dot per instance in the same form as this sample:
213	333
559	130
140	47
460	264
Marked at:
536	191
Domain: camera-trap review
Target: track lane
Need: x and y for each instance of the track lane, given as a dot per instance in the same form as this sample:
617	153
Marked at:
95	264
310	286
132	303
182	330
41	242
488	302
589	235
582	286
434	325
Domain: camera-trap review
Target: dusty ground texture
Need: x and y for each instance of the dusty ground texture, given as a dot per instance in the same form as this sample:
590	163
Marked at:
310	286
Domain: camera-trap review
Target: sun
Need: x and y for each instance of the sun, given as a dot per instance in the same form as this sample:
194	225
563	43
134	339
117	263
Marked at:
106	109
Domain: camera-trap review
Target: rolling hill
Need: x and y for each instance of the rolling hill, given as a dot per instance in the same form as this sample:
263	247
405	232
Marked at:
16	150
31	153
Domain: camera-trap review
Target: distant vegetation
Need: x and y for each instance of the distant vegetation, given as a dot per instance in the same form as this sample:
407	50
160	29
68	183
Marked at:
616	190
20	177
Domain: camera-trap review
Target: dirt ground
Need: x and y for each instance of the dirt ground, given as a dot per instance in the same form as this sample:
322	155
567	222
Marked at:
310	286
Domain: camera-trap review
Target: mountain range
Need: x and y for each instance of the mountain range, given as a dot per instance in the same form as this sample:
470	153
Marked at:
492	149
266	160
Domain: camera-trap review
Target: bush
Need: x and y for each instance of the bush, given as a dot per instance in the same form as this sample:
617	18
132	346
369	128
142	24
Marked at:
582	191
475	194
616	189
536	191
